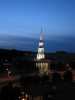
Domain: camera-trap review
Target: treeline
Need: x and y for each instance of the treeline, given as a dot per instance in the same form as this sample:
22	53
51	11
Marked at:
61	55
24	60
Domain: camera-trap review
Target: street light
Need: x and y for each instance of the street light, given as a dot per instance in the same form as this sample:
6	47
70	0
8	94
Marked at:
23	99
24	96
8	72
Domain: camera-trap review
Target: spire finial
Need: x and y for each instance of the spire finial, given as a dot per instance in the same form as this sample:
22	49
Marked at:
41	29
41	34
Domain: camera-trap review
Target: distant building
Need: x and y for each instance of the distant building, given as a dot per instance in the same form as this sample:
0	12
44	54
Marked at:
42	64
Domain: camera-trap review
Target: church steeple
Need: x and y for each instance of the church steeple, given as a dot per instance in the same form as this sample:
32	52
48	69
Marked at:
42	64
40	54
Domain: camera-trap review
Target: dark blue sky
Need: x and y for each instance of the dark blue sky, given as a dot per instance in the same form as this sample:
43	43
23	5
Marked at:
25	18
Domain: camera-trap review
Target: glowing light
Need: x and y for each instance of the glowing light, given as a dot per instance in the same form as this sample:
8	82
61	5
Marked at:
41	44
23	99
26	96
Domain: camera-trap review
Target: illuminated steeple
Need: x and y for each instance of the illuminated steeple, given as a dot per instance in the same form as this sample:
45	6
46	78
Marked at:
40	54
42	64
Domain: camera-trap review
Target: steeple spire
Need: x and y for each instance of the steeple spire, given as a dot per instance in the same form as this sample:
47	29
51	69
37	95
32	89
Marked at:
41	34
41	29
40	54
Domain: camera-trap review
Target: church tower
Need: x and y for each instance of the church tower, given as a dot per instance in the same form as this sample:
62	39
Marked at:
42	64
40	53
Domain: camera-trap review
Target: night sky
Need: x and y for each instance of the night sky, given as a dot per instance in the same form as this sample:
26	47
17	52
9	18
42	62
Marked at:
21	22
